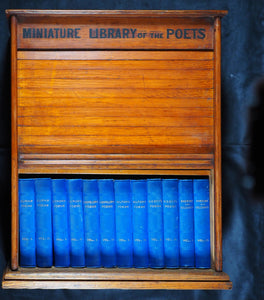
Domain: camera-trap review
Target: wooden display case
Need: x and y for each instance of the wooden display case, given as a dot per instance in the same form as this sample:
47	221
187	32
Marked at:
117	93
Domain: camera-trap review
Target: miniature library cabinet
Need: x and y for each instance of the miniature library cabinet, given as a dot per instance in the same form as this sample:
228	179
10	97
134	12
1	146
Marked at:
116	95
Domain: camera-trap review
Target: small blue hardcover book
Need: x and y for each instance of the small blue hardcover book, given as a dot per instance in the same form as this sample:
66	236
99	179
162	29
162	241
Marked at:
186	223
107	222
27	228
123	213
155	223
91	223
140	223
75	190
43	222
171	222
61	243
201	223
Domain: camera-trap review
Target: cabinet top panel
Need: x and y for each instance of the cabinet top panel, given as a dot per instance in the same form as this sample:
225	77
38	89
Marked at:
121	13
53	29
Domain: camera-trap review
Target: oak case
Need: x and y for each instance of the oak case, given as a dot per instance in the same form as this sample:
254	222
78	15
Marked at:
121	93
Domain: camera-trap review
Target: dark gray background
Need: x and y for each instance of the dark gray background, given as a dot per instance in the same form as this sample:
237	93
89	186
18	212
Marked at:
242	135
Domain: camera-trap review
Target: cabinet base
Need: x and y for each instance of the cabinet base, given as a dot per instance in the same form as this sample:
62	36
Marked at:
136	279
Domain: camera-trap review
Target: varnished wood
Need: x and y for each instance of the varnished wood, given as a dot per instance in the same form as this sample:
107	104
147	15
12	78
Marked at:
146	24
217	135
40	169
29	13
113	93
113	274
86	42
107	64
74	156
121	284
116	278
116	55
118	103
116	128
212	218
152	111
14	148
85	164
86	84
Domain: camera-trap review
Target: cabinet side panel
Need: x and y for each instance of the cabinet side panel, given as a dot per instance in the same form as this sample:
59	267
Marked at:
217	135
14	150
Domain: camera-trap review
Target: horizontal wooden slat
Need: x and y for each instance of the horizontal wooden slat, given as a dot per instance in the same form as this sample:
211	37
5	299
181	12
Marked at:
78	156
45	111
77	83
115	64
116	93
80	141
116	164
132	285
117	278
118	149
117	74
105	102
184	168
92	162
113	121
114	55
40	169
117	273
95	162
119	131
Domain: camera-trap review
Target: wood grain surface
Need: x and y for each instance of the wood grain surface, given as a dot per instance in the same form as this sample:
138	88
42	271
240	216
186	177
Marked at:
88	110
122	93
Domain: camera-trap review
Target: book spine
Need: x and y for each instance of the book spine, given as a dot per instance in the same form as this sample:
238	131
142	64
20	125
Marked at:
186	223
202	223
123	213
171	222
27	227
60	223
44	242
139	223
91	223
107	222
155	223
74	187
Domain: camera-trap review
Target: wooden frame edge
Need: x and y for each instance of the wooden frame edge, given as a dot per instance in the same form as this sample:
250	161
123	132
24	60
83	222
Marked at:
218	161
14	147
120	13
123	285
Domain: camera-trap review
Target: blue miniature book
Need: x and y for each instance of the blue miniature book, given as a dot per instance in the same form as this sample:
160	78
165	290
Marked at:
61	243
171	222
186	223
140	223
27	228
123	214
107	222
91	223
76	226
202	223
44	249
155	223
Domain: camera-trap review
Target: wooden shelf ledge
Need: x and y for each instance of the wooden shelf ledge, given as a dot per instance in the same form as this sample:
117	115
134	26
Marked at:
84	278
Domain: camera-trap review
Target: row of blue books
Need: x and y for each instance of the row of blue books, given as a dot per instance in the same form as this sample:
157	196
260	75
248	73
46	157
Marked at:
156	223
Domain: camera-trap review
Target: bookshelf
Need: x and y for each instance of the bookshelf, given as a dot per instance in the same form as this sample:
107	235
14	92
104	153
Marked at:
116	93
